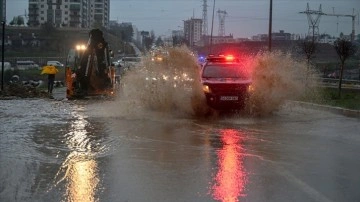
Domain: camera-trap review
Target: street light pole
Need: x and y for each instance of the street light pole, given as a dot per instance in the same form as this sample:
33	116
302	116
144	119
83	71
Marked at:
212	26
2	55
270	25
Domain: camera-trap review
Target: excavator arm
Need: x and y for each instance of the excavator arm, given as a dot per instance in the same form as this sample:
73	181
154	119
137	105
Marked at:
91	72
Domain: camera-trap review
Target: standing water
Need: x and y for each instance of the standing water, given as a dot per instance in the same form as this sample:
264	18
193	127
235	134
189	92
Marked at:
89	150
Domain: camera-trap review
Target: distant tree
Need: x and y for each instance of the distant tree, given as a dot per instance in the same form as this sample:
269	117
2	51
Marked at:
152	35
148	41
325	36
309	48
159	42
13	21
177	40
127	32
17	20
344	49
341	35
20	21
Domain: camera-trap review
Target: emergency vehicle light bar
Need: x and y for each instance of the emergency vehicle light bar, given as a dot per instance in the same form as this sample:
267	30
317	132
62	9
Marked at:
221	58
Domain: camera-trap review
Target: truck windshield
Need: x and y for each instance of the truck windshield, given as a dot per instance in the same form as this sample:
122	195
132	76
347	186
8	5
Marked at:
225	71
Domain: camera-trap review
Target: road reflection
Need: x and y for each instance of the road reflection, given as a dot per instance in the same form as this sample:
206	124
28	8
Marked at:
80	170
83	181
229	182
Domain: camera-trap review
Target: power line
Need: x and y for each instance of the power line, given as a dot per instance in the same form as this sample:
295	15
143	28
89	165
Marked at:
314	22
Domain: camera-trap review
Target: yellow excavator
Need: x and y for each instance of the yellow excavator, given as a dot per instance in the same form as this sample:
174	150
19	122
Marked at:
89	71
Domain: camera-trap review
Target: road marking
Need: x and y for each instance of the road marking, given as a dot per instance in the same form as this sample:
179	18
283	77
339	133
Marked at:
313	193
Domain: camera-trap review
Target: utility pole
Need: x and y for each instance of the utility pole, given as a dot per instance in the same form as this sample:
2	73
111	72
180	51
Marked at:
314	22
353	22
2	55
212	27
270	25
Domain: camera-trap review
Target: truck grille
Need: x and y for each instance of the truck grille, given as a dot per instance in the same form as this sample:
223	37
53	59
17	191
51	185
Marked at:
228	88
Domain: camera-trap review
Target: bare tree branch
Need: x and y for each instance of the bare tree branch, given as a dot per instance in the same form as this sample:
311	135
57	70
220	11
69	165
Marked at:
344	48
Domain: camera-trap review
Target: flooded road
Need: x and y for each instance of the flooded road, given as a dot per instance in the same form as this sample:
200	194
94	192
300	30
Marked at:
149	145
102	151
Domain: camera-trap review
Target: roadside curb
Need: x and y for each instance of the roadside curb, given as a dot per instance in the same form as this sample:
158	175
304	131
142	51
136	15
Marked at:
335	110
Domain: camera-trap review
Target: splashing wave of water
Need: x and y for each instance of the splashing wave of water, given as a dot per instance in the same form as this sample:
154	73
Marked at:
173	84
277	77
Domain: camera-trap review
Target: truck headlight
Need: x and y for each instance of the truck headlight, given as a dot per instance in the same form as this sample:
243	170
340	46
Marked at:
250	88
206	89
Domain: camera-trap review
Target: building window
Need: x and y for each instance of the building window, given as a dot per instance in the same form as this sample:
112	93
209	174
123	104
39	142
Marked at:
42	18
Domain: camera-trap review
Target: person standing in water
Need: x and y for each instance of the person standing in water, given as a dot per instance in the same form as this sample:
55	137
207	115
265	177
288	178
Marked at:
51	80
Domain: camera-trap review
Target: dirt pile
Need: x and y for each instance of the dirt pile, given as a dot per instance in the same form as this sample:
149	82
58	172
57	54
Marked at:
16	90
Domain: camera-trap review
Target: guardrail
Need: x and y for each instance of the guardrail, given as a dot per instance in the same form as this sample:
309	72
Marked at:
327	82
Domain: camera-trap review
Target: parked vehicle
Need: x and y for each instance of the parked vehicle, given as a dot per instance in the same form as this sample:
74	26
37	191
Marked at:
7	65
55	63
27	64
129	62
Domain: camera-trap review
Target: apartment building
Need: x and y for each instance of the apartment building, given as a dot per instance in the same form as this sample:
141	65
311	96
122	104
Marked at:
99	12
193	31
69	13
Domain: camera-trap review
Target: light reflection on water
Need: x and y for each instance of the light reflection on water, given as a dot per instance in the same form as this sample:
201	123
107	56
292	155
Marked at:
229	182
82	181
80	169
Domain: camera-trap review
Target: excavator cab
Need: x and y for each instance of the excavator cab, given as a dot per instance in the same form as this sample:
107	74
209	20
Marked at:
89	71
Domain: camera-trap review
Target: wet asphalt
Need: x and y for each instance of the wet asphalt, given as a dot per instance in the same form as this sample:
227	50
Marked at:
61	150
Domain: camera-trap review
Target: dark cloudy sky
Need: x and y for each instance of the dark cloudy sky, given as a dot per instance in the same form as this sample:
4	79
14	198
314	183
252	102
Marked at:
245	17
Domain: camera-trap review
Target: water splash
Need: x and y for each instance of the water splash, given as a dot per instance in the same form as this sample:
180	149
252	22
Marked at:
278	77
172	85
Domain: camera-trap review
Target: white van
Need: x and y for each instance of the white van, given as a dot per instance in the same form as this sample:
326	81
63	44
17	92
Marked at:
27	64
128	62
55	63
7	65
